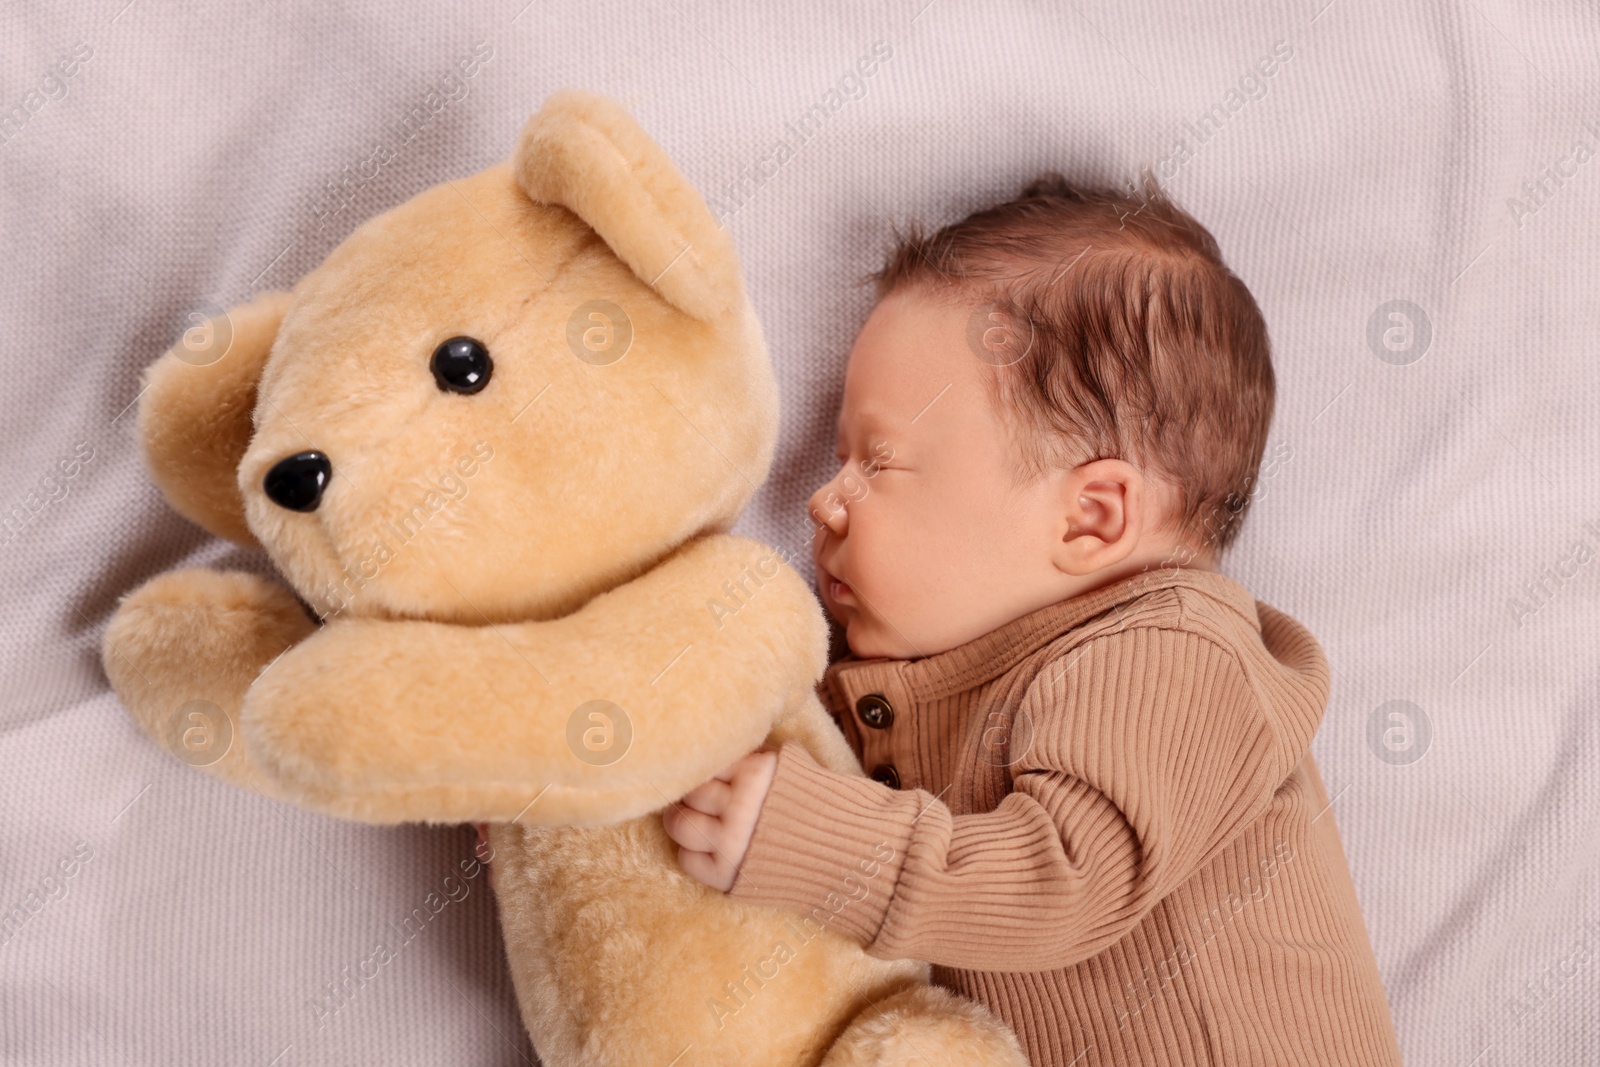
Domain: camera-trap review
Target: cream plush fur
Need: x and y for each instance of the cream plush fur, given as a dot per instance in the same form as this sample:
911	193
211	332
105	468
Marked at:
482	565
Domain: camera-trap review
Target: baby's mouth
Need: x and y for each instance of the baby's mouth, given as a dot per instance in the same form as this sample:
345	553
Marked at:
836	593
836	588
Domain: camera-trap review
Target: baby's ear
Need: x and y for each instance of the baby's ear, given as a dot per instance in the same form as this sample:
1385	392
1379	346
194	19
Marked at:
585	153
196	409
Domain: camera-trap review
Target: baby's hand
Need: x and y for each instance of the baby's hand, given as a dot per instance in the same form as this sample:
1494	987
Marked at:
712	824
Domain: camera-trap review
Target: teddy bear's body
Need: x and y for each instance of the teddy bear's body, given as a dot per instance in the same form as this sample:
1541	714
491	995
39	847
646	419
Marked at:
619	958
495	442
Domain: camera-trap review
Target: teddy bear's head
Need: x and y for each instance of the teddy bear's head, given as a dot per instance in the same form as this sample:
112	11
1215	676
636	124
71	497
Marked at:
492	402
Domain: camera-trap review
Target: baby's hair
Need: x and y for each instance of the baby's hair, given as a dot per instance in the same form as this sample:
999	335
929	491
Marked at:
1125	337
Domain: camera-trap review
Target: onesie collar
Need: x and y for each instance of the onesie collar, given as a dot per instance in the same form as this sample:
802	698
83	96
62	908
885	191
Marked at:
992	654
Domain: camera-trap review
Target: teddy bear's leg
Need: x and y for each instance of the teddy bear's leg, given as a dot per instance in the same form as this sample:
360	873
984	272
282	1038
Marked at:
925	1024
182	650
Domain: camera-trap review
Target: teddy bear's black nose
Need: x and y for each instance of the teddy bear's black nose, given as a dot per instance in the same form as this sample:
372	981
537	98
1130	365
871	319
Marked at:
297	481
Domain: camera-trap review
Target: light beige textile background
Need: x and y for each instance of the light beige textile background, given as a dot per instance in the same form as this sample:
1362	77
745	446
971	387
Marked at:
1433	517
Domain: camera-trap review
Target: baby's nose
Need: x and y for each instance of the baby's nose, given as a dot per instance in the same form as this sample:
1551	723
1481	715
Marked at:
828	511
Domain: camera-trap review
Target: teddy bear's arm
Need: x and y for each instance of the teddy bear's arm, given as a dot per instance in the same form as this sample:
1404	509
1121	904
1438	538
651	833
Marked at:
613	711
182	650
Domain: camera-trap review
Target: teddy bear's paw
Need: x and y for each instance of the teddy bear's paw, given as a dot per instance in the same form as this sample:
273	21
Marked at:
923	1021
182	649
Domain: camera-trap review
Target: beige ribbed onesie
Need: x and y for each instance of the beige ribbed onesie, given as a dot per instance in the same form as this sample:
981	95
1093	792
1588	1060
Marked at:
1101	820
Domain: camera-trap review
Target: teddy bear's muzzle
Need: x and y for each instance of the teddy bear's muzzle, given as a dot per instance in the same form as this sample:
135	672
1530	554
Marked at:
296	482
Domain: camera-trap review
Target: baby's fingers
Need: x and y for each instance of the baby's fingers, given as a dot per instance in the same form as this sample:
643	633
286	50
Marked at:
710	797
740	765
693	829
705	867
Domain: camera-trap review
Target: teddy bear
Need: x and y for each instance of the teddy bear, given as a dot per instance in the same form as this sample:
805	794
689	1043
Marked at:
494	445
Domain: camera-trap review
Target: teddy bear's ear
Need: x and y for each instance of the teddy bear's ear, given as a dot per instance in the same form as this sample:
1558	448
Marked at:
195	412
585	153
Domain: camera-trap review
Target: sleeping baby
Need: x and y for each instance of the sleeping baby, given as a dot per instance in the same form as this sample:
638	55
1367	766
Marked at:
1091	801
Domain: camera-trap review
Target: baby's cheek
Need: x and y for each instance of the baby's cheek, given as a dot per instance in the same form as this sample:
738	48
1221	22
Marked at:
887	551
890	575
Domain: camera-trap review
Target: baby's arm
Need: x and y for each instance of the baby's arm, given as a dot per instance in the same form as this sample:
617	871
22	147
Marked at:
1127	790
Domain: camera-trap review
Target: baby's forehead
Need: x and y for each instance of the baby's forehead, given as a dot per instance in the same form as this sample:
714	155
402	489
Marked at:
909	353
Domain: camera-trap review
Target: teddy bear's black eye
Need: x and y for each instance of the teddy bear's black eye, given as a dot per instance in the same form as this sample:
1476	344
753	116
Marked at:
462	365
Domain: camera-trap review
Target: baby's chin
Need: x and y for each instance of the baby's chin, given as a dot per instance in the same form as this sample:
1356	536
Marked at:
866	642
865	636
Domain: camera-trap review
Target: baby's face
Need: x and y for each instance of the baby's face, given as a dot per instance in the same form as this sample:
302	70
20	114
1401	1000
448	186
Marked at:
922	542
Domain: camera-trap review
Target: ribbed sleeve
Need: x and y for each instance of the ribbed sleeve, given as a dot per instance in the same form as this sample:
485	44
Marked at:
828	841
1149	747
